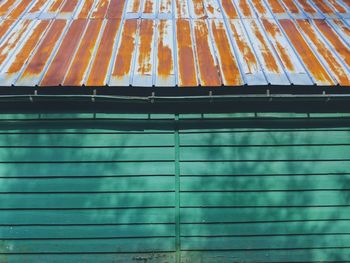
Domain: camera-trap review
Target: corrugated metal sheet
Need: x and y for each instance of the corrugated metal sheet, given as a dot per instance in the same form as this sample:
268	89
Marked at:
174	43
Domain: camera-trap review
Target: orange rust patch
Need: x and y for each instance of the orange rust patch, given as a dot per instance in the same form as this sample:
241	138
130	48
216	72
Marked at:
244	6
145	47
122	64
100	9
41	56
198	7
115	9
229	8
207	67
276	7
259	7
273	30
347	2
99	68
307	7
229	64
181	8
135	6
187	71
69	6
305	52
323	7
17	12
5	6
269	59
38	6
4	27
337	6
83	56
59	65
291	6
343	27
165	58
333	38
325	52
28	47
84	13
165	5
245	49
55	6
148	9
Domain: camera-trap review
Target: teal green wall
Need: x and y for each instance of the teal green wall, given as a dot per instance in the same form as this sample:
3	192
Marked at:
151	190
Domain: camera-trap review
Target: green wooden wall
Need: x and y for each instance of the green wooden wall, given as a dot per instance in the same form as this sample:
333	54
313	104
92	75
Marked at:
145	188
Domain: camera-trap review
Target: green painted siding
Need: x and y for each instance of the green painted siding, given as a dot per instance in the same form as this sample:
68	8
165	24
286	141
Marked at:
147	191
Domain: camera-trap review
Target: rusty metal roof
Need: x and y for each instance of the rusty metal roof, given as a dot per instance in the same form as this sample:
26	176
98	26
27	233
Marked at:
174	42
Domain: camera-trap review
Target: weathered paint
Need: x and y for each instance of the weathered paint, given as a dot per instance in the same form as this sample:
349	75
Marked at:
228	63
68	8
337	6
310	60
165	6
19	9
322	5
115	9
5	26
78	69
58	68
125	52
38	6
86	9
259	7
338	71
186	64
133	6
56	6
197	9
343	27
307	8
245	9
334	40
229	9
100	9
98	73
207	65
181	9
291	6
165	62
276	7
212	9
149	6
5	6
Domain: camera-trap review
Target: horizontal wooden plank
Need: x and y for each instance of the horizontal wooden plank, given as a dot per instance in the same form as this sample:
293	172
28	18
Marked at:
262	214
85	154
297	198
264	168
310	152
85	184
85	169
93	245
275	228
87	200
264	183
272	242
87	139
154	257
90	231
266	138
296	255
88	216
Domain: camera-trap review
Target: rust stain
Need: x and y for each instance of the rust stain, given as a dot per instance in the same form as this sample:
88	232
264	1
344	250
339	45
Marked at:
28	48
145	47
56	5
19	9
333	38
291	6
99	68
276	7
37	64
165	6
69	6
187	71
148	8
165	57
269	59
229	64
245	49
244	6
59	65
322	50
343	27
12	40
259	7
84	54
207	67
199	8
323	7
85	11
229	8
115	9
337	6
37	7
307	7
122	63
305	52
135	6
273	30
5	6
4	27
181	8
100	9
